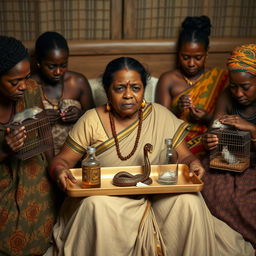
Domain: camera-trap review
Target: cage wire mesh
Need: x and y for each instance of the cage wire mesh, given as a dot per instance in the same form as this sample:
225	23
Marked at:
39	136
232	152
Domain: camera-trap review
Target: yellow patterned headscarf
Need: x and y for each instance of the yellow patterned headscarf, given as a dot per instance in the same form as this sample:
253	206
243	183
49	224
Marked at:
243	59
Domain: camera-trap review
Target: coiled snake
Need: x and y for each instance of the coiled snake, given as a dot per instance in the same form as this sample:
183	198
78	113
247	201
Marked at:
125	179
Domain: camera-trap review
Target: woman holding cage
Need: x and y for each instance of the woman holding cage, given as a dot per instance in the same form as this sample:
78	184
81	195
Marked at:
231	196
27	205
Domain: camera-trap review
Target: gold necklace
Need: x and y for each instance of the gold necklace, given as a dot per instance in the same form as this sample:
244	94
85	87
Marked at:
191	83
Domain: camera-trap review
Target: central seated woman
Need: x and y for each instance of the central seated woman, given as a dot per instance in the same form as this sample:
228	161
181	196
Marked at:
137	225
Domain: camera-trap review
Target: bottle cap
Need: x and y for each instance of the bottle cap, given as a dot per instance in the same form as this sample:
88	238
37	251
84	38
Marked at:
168	141
91	150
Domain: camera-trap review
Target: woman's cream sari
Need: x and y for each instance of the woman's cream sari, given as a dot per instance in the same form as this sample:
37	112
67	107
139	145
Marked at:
139	225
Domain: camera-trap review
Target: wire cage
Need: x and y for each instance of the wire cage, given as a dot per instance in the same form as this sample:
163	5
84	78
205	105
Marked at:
39	136
232	152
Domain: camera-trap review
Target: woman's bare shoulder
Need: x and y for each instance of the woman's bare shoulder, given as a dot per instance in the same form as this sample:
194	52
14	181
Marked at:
76	79
171	76
170	81
75	75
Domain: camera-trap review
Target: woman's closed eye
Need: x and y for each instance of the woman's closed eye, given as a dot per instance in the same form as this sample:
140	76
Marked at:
53	66
15	82
199	57
188	57
245	87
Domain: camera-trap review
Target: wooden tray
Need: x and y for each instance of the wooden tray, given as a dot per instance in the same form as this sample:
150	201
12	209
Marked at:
185	184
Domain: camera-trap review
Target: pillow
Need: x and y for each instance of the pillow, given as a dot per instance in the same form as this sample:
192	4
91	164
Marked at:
100	97
149	93
98	92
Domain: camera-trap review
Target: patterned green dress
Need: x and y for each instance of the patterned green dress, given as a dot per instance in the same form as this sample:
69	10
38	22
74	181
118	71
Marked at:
27	197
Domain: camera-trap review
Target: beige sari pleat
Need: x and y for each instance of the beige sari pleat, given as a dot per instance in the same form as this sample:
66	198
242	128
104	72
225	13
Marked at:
149	240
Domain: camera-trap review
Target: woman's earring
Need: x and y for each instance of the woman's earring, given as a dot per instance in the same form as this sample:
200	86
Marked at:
108	108
143	103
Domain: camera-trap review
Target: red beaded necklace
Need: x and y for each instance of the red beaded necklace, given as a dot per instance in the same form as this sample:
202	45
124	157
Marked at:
113	129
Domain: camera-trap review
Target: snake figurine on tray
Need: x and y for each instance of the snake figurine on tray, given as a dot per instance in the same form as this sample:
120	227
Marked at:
125	179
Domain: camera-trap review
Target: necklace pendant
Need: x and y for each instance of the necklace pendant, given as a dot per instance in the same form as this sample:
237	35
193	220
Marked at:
192	83
189	82
55	107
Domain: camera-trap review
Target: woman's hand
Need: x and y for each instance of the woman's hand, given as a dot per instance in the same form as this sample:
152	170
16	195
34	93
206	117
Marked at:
210	141
197	168
53	115
63	176
71	114
184	102
61	163
237	122
197	114
15	138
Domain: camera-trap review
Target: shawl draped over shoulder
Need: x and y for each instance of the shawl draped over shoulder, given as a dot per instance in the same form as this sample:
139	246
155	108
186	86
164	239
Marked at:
204	94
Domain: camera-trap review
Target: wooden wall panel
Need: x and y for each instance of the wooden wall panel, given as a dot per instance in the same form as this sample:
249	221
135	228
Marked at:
91	57
93	66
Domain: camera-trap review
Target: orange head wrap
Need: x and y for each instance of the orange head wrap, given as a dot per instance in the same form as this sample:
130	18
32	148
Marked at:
243	59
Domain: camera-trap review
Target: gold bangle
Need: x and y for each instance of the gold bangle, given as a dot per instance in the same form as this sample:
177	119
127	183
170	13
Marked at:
253	139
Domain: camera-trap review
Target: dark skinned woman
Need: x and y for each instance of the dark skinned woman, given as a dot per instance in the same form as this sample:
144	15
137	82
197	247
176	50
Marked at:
191	90
137	225
27	205
231	196
66	94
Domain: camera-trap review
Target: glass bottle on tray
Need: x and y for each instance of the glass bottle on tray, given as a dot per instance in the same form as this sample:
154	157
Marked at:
168	176
91	173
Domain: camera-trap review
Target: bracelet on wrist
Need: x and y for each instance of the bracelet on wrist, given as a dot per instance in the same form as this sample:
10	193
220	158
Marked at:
53	167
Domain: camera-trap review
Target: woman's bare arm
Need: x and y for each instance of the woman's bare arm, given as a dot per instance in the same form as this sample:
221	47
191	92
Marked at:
186	157
80	90
85	98
163	95
61	164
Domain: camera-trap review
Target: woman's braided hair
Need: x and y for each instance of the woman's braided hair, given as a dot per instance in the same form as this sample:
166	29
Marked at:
12	51
195	29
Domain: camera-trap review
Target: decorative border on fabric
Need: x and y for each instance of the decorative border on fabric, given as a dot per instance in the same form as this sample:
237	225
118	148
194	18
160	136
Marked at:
74	146
215	87
187	90
180	134
123	134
